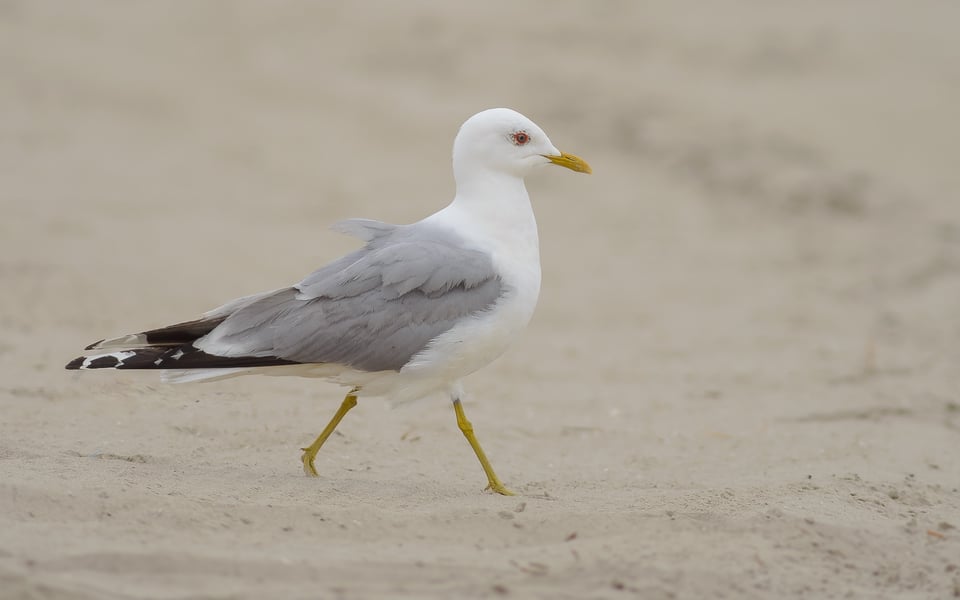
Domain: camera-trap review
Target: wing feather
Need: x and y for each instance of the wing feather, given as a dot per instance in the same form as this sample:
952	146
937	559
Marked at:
372	310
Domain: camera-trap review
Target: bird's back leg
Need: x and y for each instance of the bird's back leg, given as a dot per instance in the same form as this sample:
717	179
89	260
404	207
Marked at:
310	452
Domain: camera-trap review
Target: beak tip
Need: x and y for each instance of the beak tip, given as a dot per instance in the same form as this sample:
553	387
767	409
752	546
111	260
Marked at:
570	161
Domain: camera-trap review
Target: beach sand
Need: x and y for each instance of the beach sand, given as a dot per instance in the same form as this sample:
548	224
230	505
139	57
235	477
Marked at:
742	381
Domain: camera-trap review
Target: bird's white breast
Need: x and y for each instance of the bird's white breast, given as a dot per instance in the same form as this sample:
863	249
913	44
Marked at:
510	237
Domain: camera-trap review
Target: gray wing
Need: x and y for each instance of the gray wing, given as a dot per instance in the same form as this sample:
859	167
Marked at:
373	309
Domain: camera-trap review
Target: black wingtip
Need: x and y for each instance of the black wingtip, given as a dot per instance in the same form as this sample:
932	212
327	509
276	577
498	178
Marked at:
92	346
74	364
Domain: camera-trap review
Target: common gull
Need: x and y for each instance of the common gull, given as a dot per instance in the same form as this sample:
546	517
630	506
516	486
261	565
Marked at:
409	314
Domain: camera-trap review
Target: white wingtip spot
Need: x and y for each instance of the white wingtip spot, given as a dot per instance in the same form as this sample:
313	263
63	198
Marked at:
119	356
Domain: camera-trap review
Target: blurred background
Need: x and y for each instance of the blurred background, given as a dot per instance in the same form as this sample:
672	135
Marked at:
759	283
816	143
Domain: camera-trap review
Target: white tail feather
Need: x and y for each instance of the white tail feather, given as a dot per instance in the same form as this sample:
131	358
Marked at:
135	340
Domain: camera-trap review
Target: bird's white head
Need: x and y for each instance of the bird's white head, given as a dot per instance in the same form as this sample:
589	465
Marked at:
502	141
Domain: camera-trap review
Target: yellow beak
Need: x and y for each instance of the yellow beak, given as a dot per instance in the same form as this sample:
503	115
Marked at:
574	163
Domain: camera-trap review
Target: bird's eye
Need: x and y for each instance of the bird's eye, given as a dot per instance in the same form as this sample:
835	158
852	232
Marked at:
520	138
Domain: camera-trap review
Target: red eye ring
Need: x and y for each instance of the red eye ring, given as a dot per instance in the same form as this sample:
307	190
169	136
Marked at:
520	138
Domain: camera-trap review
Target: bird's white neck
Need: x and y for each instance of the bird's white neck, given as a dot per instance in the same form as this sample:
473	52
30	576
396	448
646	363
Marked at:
497	205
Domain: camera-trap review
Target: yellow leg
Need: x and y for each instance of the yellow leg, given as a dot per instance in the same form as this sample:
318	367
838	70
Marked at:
310	452
466	427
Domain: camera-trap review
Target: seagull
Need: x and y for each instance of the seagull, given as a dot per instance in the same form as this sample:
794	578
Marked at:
409	314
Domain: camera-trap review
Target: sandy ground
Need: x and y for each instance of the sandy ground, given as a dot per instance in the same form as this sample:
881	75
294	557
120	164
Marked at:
743	379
